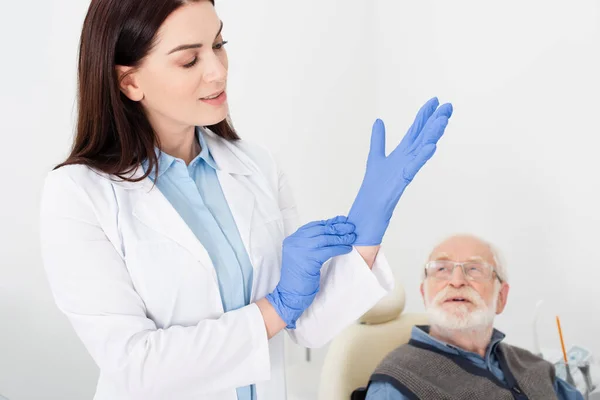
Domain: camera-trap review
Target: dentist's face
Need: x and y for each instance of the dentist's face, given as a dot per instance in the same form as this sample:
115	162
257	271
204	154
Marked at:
182	80
460	303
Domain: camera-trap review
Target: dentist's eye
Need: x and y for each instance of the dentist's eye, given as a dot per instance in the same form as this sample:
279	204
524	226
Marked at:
219	46
192	63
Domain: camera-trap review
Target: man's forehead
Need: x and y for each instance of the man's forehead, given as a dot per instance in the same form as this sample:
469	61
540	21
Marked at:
442	255
463	248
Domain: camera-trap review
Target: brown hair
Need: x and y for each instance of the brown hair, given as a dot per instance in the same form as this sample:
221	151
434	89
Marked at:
113	133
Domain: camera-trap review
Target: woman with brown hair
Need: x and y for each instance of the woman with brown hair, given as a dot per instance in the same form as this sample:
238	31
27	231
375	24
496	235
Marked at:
163	232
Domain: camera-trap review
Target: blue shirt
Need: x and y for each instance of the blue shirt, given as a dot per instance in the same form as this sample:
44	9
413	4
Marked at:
385	391
195	192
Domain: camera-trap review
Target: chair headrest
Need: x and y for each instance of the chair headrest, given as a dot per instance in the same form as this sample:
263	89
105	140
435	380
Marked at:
387	309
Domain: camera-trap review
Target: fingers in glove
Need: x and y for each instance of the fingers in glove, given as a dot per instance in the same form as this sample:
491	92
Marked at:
340	228
330	240
377	139
335	220
417	163
332	251
434	133
441	114
423	115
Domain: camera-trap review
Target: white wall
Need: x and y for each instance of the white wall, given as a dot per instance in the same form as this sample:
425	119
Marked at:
519	163
40	357
307	79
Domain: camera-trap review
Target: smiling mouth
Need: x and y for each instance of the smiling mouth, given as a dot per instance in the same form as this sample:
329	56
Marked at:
212	96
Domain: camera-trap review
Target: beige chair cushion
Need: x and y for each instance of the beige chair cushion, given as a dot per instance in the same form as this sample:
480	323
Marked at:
354	354
387	309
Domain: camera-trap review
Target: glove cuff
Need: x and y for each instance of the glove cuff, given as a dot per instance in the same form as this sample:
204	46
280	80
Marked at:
287	315
291	306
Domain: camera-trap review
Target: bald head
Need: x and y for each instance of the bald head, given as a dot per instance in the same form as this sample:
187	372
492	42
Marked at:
464	247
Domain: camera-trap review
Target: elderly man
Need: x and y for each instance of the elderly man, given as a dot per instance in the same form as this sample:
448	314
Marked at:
460	355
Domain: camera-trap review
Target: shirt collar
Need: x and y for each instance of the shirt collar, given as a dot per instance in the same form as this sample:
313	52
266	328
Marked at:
165	161
205	153
230	156
421	334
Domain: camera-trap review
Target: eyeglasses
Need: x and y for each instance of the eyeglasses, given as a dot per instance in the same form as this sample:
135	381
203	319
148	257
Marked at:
473	270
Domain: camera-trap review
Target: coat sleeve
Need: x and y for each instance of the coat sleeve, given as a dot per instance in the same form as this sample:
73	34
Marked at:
349	288
91	286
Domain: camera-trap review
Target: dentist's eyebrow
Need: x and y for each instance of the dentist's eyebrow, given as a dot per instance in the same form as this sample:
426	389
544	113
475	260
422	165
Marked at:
193	45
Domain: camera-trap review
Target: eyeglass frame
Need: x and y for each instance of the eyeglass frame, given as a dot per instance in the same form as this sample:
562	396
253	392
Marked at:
462	267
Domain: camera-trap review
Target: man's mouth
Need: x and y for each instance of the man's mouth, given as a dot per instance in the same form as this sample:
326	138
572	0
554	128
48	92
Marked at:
457	300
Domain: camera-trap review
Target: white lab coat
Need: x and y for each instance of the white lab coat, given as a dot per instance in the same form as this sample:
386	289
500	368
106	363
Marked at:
142	294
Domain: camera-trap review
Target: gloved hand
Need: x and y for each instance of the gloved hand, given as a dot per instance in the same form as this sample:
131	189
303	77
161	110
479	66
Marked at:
386	177
304	253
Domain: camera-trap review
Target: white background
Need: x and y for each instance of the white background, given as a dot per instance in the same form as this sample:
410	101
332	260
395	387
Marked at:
518	164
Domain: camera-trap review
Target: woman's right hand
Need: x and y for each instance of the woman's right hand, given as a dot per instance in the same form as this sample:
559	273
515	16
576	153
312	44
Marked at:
386	177
304	253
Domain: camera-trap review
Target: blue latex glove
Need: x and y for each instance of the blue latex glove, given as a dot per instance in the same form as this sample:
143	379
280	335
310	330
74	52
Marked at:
304	253
386	177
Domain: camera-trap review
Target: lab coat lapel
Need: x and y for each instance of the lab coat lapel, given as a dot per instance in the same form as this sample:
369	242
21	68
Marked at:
234	170
155	211
234	173
241	202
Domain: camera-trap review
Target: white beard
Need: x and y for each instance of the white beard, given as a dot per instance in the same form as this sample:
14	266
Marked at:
459	318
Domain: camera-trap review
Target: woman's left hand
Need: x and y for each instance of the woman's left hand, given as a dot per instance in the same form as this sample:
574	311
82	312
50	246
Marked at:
387	177
304	253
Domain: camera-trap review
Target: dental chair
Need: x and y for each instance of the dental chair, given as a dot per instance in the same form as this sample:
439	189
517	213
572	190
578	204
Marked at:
355	353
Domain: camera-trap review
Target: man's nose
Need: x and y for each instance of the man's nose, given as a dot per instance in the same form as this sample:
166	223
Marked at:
458	278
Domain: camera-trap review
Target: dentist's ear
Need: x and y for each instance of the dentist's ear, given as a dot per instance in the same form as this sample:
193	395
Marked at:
502	297
128	83
422	289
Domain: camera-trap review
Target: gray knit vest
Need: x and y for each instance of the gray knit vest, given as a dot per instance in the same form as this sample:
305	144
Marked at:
420	371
